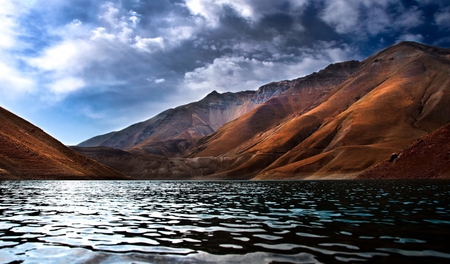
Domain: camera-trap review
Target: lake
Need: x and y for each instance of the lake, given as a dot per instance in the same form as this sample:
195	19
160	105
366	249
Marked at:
224	221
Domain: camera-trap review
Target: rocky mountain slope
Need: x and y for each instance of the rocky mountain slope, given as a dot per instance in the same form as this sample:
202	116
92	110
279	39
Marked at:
427	158
395	97
27	152
170	132
332	124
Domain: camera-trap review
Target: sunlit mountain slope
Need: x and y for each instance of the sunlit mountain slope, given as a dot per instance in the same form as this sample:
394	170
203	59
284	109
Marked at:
27	152
333	124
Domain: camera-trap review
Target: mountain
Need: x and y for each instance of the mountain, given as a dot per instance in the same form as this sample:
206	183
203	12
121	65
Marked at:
393	98
27	152
184	123
427	158
333	124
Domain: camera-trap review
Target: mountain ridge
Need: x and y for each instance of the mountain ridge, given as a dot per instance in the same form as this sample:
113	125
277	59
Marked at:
27	152
192	120
327	125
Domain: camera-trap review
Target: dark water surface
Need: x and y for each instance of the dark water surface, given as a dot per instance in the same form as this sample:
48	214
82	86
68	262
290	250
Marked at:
225	222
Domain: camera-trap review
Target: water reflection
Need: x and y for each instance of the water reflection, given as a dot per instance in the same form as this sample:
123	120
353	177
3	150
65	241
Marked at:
200	222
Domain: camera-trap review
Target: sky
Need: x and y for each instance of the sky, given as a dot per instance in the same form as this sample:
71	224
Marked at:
81	68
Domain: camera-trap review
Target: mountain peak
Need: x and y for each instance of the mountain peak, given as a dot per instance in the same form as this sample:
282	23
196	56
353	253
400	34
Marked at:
213	93
405	45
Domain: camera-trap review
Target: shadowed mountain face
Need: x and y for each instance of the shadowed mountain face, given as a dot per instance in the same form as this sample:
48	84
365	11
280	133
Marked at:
427	158
27	152
332	124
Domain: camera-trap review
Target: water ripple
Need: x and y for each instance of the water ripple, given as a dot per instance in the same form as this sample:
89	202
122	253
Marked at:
228	222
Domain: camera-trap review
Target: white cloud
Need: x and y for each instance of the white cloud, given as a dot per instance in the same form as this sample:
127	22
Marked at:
178	34
377	21
410	37
12	80
101	33
211	10
65	63
240	73
342	15
67	85
8	25
409	18
148	44
442	18
367	17
111	15
58	57
160	80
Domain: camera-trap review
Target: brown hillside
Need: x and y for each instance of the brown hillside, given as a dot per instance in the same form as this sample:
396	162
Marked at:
27	152
427	158
303	93
397	96
333	124
186	122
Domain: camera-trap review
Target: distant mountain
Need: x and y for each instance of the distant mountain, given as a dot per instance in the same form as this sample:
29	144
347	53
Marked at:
27	152
333	124
173	131
186	122
427	158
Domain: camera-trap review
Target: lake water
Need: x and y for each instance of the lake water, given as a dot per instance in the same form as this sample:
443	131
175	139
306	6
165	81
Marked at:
224	221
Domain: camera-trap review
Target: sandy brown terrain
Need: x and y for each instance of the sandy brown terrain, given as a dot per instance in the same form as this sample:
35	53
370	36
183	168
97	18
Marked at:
427	158
27	152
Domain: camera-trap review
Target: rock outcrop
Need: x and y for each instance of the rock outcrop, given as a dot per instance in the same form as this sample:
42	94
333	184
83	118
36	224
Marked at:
427	158
27	152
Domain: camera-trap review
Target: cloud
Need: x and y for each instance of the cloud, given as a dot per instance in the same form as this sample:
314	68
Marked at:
13	80
410	37
85	56
369	18
409	18
442	18
8	25
342	15
149	44
213	10
239	73
67	85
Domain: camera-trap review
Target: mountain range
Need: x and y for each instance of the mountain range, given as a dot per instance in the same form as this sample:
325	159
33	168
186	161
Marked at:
333	124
